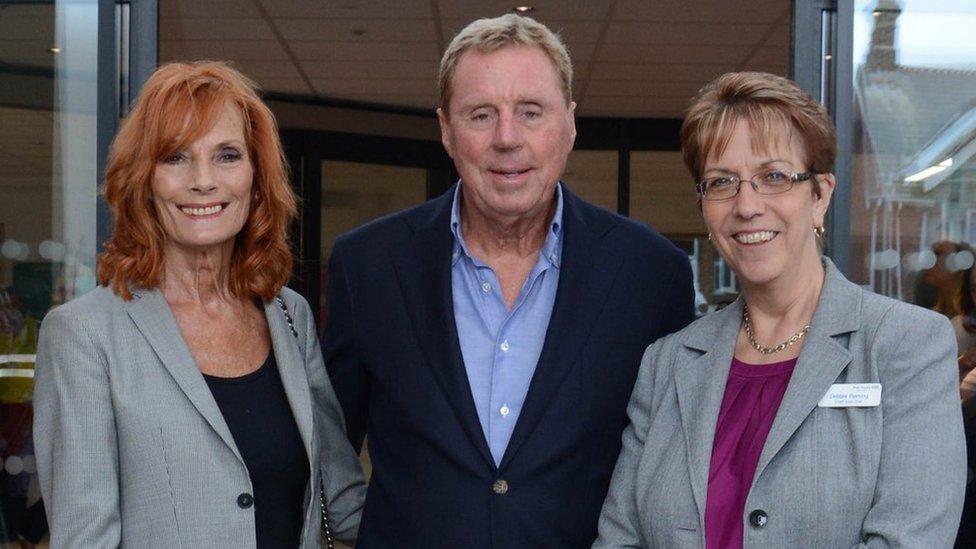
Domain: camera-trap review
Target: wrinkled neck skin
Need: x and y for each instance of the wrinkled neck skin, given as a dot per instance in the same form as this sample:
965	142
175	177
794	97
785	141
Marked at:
198	275
521	236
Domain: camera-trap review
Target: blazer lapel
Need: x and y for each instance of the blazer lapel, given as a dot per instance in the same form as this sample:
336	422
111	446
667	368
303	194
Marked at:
586	274
424	272
700	387
821	361
291	368
152	315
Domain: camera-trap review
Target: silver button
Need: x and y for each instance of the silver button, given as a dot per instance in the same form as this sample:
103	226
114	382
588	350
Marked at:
505	346
500	487
504	410
485	287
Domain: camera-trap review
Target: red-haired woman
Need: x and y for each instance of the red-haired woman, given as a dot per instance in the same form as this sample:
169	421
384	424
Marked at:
184	402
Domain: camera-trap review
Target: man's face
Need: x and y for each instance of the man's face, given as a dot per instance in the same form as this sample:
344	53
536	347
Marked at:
509	130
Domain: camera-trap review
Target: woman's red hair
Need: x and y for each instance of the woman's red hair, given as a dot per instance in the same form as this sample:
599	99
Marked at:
178	104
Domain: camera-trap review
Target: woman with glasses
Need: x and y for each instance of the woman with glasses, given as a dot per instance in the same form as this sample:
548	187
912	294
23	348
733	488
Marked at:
810	412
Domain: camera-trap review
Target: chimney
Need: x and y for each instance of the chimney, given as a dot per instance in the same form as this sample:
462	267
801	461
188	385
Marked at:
881	55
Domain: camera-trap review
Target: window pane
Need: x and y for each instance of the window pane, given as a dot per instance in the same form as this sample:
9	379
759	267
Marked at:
663	196
48	185
662	193
593	176
914	185
355	193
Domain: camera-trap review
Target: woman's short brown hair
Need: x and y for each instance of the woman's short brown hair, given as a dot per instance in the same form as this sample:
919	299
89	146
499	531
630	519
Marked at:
769	103
178	104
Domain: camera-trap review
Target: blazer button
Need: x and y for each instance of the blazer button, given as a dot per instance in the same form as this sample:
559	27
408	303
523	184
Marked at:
500	487
758	518
245	500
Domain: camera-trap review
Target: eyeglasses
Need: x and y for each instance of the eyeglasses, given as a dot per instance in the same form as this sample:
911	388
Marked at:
770	182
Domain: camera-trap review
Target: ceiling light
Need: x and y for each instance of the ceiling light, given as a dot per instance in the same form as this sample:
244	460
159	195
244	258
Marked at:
930	171
523	9
54	50
828	57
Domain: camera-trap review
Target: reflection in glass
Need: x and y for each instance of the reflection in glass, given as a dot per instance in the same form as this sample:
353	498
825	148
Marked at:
48	183
915	135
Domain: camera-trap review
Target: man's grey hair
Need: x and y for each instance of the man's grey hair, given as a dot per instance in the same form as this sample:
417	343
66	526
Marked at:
487	35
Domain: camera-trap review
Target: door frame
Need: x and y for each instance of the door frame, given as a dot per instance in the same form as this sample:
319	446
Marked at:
305	151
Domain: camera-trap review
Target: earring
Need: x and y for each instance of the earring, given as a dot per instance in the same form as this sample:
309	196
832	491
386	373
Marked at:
709	237
820	231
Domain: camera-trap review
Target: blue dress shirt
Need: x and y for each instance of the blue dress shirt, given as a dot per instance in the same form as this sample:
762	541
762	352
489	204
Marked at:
501	347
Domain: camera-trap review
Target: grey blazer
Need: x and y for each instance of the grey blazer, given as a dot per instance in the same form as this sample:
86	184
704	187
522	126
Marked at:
889	476
132	449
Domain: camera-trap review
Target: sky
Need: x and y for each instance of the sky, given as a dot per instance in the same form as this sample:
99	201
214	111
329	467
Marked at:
930	33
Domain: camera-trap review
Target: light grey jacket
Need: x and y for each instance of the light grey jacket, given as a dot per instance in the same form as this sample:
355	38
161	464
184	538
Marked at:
889	476
132	449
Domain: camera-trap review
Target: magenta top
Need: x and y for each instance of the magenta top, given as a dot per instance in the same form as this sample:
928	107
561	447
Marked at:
753	393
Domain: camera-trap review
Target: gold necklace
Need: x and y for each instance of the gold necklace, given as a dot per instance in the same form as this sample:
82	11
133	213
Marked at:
747	322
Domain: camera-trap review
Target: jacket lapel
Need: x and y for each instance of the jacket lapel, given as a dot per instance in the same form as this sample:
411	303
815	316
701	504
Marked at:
700	383
586	274
821	361
700	387
152	315
291	368
424	271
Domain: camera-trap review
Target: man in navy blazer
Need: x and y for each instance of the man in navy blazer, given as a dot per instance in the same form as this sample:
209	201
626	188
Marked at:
487	342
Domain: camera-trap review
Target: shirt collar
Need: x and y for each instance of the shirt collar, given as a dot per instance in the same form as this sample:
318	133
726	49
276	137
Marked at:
550	248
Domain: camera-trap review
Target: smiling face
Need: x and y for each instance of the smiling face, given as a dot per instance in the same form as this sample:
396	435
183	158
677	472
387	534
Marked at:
766	238
509	131
202	193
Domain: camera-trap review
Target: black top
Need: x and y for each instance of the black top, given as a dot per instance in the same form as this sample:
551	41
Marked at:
257	412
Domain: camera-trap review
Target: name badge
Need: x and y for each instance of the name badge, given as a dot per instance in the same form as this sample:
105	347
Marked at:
856	395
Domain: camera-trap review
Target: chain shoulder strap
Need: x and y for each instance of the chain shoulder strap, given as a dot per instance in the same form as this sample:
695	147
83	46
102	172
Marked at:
323	503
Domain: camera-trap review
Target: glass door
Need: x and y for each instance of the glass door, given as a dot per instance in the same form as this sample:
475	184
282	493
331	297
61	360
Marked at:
346	180
53	124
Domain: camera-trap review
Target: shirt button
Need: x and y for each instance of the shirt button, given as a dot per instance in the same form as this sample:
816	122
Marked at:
504	346
245	500
504	410
485	287
758	518
500	487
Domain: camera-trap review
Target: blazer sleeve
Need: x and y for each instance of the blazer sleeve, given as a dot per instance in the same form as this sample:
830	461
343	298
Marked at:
680	308
74	435
342	475
342	358
618	525
922	474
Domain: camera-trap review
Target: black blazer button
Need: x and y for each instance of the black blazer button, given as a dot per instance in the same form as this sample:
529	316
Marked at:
245	500
758	518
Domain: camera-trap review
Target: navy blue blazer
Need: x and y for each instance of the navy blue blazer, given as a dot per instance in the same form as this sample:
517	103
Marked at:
391	349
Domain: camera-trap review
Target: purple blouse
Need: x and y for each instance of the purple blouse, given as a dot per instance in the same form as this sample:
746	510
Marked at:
752	397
